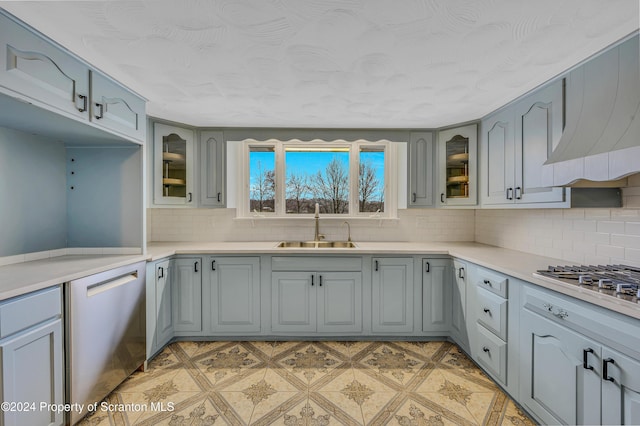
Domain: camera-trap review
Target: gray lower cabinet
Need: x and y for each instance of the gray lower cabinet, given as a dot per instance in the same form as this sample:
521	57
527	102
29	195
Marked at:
558	389
436	295
620	389
187	295
159	306
459	304
392	295
234	285
325	302
579	363
31	353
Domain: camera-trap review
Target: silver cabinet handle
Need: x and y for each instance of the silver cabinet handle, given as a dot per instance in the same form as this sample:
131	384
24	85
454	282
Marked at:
219	195
83	98
442	197
486	350
509	194
414	197
428	268
213	265
195	267
376	266
190	197
487	282
460	272
487	311
101	107
518	193
160	272
312	279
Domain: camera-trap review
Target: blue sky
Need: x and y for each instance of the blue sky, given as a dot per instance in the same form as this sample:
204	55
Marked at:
306	162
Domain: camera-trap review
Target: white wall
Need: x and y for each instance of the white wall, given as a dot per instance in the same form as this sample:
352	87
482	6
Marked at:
32	193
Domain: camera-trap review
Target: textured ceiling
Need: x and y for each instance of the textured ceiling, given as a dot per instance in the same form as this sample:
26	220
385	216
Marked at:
329	63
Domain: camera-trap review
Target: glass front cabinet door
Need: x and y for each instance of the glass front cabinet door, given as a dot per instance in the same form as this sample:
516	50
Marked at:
173	165
457	159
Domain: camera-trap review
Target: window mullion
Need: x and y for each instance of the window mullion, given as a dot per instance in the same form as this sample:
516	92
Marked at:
280	181
354	171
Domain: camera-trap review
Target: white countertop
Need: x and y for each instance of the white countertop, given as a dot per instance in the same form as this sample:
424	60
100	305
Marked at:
25	277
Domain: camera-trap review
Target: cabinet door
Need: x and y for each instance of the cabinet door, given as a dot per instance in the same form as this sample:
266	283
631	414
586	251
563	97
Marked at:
459	304
497	167
293	301
555	385
436	294
173	165
421	169
392	297
32	368
457	159
35	68
187	295
620	389
115	108
339	302
235	294
537	132
164	311
212	169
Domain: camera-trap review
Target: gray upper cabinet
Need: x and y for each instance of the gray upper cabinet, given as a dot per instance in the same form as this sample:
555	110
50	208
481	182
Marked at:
392	295
33	67
421	170
457	159
173	165
234	285
212	169
516	142
117	109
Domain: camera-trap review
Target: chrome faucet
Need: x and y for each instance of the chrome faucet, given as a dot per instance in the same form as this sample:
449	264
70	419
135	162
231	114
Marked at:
348	230
318	236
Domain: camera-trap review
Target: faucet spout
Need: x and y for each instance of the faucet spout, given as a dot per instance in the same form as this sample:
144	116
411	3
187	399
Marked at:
348	230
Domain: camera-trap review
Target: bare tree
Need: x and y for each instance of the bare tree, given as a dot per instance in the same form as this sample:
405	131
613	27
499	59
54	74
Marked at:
262	188
368	185
297	189
331	187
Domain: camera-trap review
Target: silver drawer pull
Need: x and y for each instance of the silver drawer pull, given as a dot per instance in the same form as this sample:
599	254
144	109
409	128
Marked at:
487	282
487	311
486	350
560	313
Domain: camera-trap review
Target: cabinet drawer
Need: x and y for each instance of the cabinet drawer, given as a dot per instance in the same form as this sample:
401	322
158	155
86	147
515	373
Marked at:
492	313
492	281
491	353
26	311
334	264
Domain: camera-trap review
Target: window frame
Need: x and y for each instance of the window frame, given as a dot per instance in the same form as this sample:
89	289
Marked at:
279	148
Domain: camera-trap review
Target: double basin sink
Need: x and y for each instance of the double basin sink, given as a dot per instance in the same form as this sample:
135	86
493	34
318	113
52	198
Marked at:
316	244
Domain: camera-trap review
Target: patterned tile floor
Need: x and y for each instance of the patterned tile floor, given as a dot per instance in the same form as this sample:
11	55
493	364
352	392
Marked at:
309	383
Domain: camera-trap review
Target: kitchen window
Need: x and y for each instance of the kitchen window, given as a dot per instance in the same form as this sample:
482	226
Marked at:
345	178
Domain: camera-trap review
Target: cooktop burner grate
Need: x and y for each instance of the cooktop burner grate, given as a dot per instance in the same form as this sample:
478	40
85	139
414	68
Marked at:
621	281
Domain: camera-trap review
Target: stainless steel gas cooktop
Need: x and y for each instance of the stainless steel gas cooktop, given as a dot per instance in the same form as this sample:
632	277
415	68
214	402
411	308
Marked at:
620	281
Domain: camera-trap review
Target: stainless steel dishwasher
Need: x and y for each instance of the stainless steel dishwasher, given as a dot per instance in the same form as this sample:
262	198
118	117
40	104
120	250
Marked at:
105	325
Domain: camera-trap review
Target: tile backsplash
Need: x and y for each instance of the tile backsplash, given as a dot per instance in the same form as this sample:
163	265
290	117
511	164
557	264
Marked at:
575	235
221	225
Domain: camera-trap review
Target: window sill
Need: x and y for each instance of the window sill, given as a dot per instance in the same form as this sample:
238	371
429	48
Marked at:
355	220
